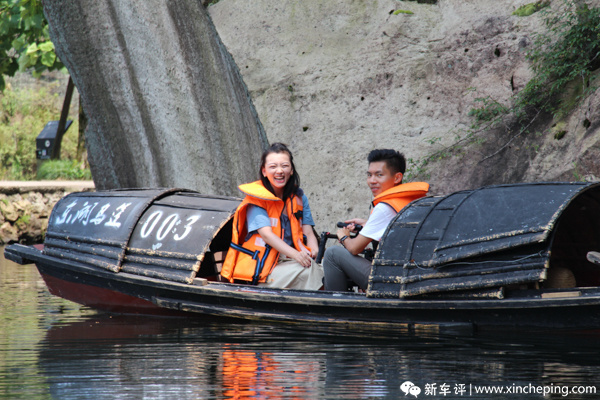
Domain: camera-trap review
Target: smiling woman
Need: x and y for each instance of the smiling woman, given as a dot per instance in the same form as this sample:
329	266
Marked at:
273	242
277	168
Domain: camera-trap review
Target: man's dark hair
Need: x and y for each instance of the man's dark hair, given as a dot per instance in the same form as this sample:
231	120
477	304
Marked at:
394	160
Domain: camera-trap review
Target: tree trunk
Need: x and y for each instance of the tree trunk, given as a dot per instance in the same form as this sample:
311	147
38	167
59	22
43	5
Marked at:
166	104
81	155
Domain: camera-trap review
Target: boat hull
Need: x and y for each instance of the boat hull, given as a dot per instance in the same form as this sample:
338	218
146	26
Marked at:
99	298
127	293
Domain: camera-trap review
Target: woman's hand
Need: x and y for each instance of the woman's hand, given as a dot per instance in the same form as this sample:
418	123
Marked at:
311	240
303	258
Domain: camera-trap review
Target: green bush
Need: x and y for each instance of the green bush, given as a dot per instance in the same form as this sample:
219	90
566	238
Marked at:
489	110
531	8
23	115
564	60
566	54
63	169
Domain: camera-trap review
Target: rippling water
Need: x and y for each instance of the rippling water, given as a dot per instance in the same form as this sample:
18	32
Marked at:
54	349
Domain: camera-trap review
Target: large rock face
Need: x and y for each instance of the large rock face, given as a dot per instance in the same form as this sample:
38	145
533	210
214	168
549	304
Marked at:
337	78
331	78
165	103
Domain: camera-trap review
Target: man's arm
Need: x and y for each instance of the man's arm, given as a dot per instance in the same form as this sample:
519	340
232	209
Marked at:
354	245
372	230
355	221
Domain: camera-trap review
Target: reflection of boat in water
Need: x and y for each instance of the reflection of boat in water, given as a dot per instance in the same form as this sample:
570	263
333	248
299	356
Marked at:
510	256
123	357
127	357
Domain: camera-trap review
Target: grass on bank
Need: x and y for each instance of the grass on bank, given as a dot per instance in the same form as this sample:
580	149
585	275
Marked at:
23	114
63	169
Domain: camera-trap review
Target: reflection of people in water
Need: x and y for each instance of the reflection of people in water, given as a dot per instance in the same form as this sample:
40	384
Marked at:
252	374
111	357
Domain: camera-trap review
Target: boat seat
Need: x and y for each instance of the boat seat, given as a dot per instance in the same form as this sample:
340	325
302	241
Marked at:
560	278
219	258
212	264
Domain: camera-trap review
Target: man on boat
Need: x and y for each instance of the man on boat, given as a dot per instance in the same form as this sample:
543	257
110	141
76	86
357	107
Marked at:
384	177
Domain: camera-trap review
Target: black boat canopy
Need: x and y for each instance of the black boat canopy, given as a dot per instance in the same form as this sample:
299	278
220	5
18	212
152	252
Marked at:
162	233
476	243
491	237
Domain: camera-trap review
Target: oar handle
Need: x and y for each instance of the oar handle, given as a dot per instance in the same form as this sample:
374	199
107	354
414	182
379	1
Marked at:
357	227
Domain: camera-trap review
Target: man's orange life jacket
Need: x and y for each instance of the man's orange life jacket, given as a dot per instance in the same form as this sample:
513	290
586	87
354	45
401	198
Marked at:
250	259
399	196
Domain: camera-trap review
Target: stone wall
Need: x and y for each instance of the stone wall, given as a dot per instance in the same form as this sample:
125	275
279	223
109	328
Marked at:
24	212
24	217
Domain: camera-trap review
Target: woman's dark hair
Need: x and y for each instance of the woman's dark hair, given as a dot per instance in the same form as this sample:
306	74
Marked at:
394	160
292	186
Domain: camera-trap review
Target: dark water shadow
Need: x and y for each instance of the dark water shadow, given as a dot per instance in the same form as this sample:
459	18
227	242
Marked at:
123	357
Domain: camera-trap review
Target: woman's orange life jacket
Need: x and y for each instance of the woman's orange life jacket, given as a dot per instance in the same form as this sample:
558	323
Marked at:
399	196
250	259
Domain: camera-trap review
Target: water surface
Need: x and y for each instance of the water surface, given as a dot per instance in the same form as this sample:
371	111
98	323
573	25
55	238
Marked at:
54	349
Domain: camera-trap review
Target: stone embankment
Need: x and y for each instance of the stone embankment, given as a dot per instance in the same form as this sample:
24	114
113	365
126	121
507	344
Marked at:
25	207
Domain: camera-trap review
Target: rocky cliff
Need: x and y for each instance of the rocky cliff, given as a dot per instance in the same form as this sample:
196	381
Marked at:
166	106
337	78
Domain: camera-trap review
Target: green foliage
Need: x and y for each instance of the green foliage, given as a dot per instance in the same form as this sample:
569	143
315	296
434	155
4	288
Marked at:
576	174
489	110
567	53
23	115
63	169
24	219
24	39
559	135
563	60
528	9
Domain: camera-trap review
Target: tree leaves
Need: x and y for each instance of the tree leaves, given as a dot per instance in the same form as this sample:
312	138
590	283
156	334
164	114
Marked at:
24	39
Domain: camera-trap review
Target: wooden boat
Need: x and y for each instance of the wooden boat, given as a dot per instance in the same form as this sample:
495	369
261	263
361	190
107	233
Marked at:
499	257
